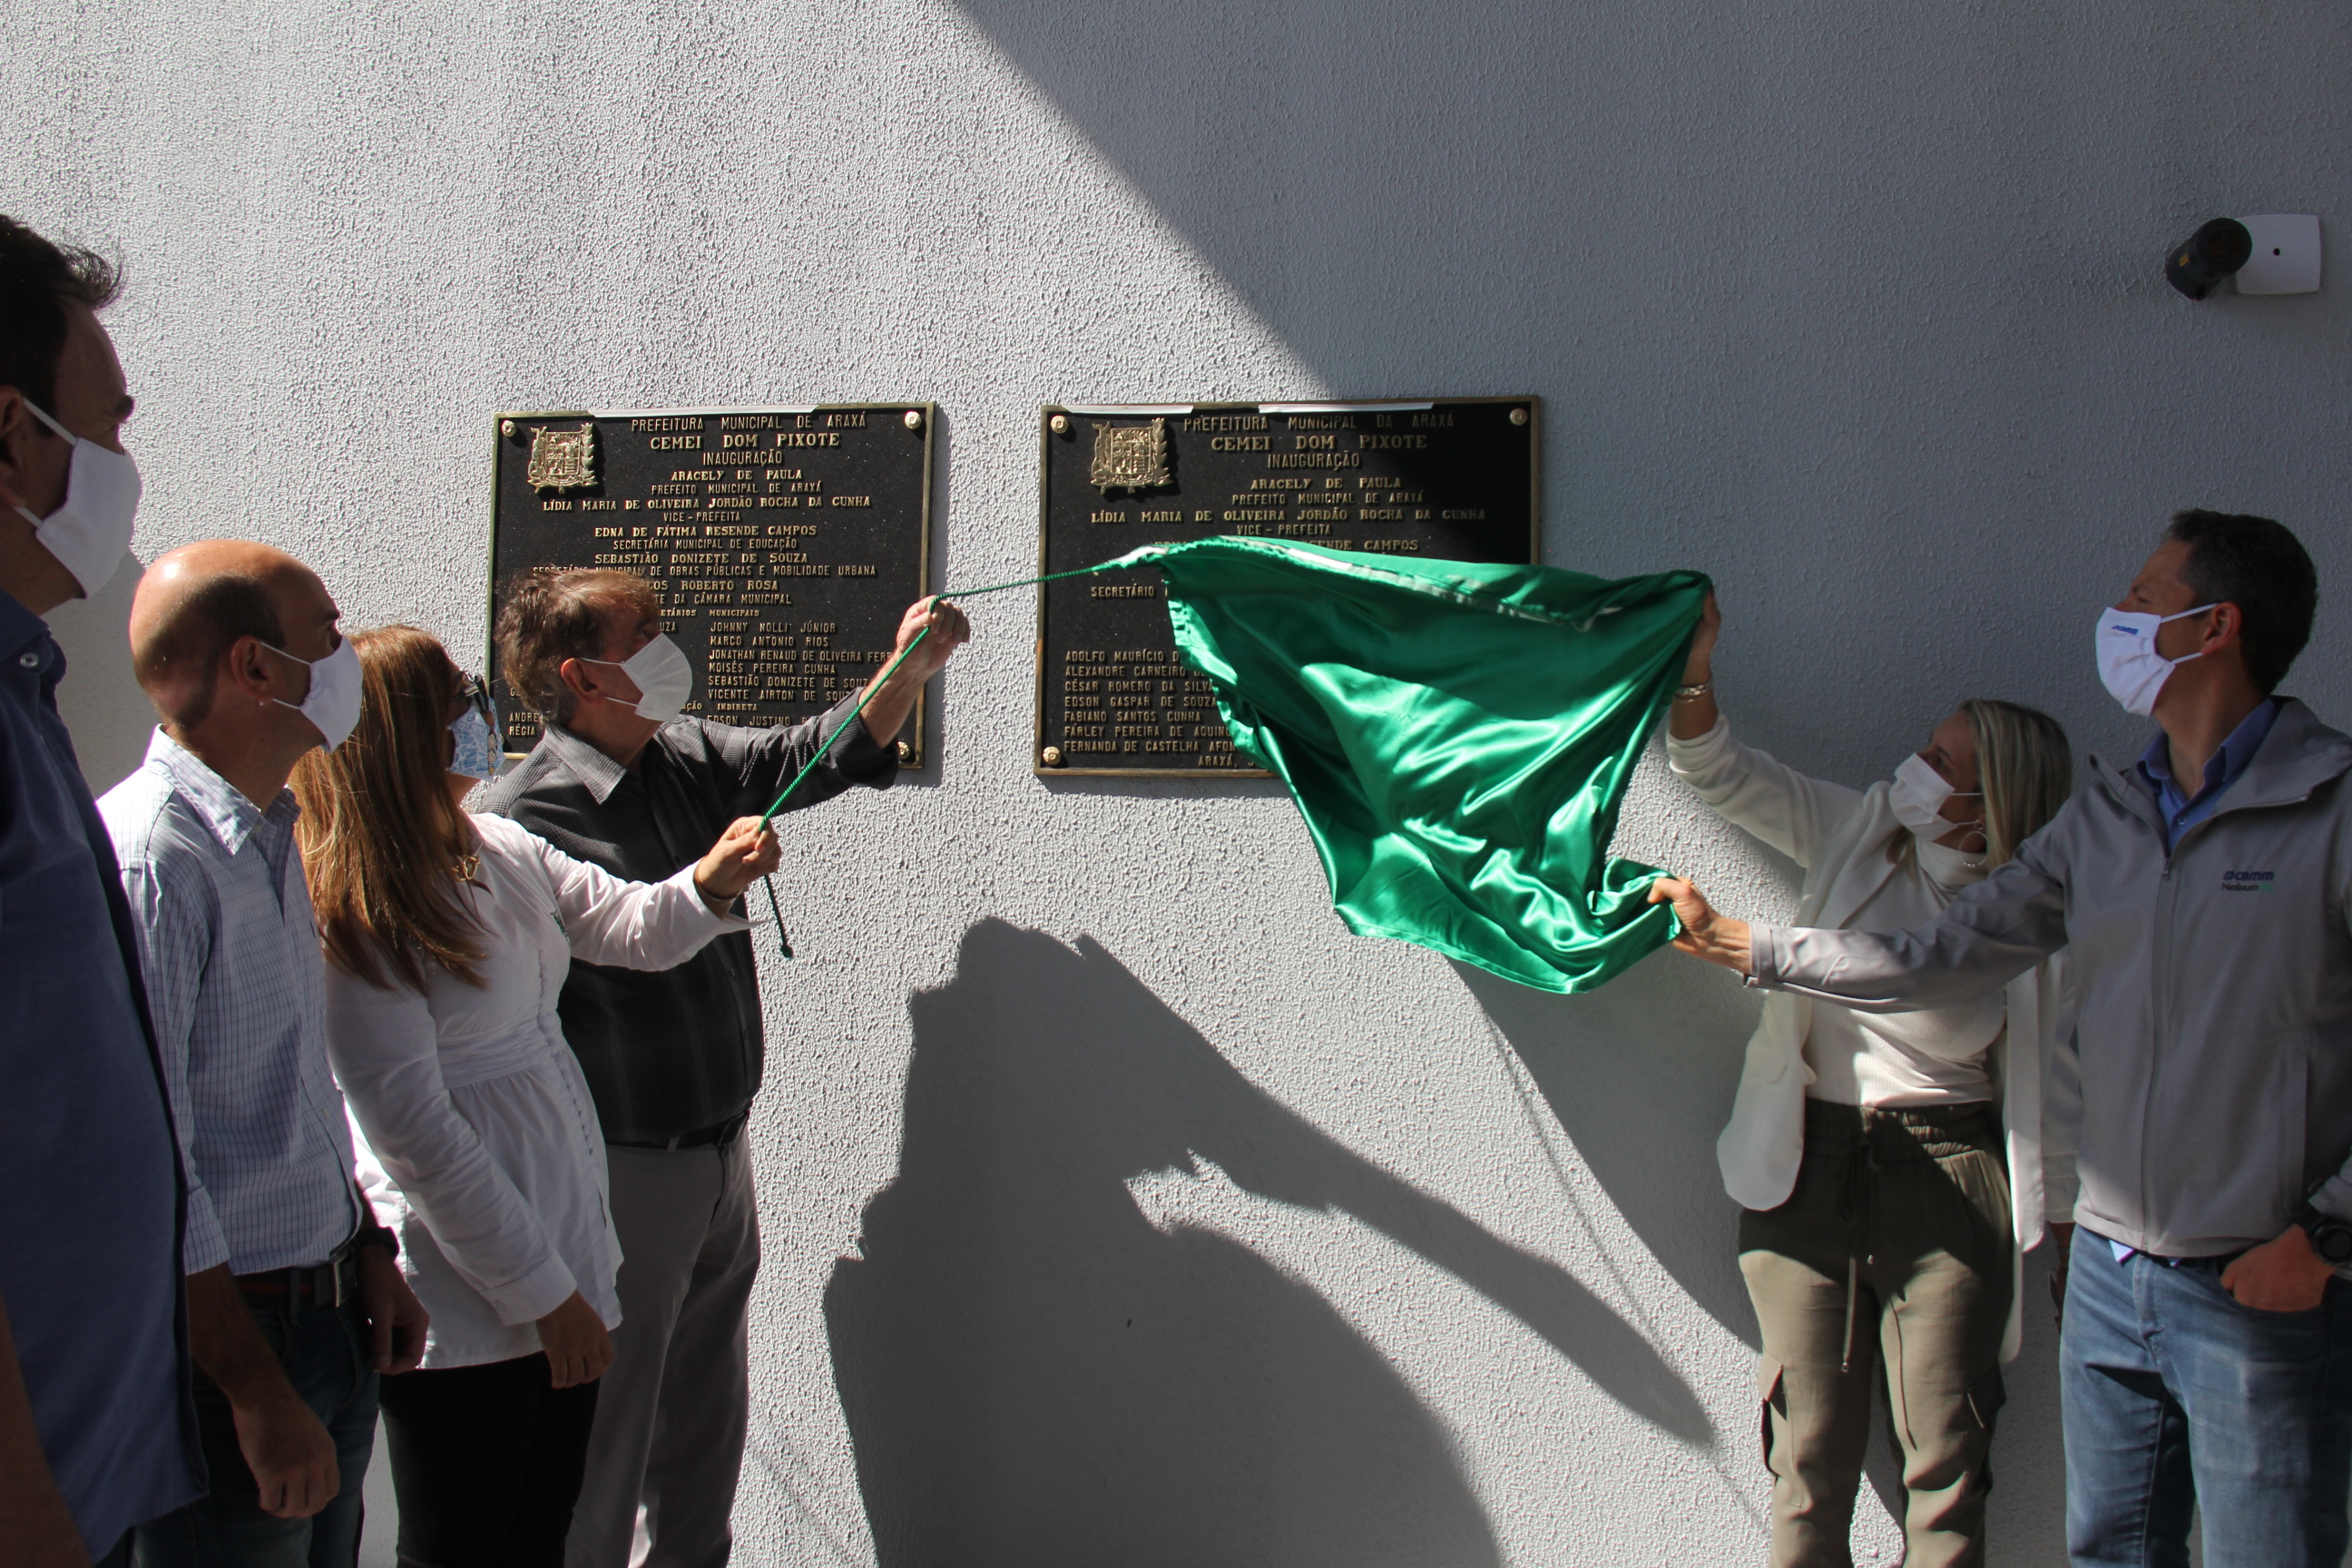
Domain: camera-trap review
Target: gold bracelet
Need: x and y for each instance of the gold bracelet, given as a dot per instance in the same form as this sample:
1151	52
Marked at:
1692	693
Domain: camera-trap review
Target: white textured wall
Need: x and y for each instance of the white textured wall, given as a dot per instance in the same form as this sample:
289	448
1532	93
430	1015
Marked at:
1180	1227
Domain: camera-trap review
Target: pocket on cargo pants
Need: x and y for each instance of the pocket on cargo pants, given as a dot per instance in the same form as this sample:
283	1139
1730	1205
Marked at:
1768	1389
1986	1394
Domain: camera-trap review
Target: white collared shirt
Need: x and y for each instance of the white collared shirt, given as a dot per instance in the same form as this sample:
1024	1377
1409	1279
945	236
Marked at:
479	1141
236	985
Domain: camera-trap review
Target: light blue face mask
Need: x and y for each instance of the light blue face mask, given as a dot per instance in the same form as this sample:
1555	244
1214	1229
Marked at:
476	757
476	732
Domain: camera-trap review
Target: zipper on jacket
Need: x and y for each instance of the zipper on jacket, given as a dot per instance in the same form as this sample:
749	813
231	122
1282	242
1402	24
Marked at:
2161	934
2160	1004
2160	937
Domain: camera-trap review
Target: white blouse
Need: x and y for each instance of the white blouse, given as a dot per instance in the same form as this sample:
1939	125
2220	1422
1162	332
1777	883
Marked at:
1839	835
1938	1057
476	1137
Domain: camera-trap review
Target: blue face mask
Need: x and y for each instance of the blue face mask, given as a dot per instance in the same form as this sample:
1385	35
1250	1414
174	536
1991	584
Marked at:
475	757
476	732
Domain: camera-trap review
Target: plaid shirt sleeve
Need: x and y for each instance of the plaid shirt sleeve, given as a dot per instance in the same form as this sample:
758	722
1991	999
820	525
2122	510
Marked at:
173	927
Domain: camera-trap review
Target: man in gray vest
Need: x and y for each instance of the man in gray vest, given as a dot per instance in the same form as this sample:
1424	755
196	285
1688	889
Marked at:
619	777
2203	894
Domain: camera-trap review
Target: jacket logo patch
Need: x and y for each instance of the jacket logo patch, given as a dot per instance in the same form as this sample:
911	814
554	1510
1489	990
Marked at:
2249	881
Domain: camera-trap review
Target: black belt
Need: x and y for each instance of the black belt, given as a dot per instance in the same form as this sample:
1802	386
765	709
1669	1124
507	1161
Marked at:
718	1134
328	1284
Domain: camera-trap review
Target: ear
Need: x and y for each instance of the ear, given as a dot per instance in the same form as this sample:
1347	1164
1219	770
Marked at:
579	678
2224	630
245	672
16	429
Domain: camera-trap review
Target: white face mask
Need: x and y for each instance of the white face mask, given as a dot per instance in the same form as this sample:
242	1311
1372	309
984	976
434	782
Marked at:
90	531
1919	798
333	704
664	680
2129	666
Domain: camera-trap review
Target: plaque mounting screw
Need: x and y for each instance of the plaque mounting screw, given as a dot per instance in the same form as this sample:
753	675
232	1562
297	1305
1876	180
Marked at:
1518	415
906	754
914	418
506	427
1052	756
1060	423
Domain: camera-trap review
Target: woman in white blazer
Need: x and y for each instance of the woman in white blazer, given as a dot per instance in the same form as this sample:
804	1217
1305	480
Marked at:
448	940
1889	1166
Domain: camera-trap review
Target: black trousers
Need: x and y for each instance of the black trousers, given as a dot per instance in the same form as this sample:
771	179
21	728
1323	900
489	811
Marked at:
486	1462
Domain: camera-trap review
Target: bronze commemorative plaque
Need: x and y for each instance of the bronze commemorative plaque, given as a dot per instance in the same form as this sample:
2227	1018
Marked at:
785	543
1449	479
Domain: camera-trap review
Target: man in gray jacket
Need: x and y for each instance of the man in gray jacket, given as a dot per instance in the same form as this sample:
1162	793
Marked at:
2203	892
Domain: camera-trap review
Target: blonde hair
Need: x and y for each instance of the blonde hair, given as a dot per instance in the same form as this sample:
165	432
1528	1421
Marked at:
382	841
2027	766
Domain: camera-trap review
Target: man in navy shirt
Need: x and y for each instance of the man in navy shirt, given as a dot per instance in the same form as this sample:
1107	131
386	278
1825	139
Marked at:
96	1427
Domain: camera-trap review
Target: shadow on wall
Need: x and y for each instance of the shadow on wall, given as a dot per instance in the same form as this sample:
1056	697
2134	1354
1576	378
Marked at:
1640	1076
1033	1372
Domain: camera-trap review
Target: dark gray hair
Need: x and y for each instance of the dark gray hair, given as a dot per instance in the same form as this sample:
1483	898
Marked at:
39	280
550	617
204	626
2258	565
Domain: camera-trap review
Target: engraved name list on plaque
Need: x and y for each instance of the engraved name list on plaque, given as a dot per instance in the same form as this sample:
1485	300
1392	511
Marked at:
1451	480
785	543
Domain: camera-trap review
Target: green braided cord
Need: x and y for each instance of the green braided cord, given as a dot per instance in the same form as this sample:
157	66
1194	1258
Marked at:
819	755
768	815
992	588
1048	577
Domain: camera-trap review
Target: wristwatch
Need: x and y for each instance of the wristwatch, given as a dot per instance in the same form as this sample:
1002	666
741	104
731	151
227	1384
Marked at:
378	1235
2330	1237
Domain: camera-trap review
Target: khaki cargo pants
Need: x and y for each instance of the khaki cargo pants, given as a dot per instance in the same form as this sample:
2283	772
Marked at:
1895	1245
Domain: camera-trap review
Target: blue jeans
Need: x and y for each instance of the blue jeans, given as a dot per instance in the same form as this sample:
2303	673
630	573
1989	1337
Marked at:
324	1351
2177	1397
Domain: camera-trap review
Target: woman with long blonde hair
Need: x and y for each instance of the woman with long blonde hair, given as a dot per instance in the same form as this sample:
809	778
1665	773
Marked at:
1888	1165
447	938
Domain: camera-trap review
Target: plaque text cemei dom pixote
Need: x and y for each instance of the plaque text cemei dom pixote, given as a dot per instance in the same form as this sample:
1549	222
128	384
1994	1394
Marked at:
1440	480
784	544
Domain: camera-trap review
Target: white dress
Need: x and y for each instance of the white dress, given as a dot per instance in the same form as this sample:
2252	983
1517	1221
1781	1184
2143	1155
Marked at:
476	1137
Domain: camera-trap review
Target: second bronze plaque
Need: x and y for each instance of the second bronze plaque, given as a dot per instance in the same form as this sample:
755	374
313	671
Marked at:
1449	480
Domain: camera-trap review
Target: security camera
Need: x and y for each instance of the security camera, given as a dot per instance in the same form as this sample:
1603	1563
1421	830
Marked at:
2215	251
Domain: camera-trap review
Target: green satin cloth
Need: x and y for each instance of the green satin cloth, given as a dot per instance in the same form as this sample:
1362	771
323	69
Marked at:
1458	737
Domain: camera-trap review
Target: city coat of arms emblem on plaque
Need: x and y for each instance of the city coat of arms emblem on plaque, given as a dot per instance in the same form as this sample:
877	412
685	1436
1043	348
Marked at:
561	459
1130	457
